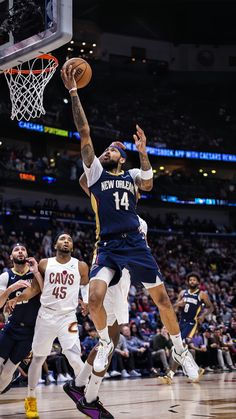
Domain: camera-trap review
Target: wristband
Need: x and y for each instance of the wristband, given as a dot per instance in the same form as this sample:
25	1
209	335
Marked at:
73	89
146	174
85	292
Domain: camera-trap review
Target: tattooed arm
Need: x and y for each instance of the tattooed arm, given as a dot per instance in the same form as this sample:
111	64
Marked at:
140	142
80	119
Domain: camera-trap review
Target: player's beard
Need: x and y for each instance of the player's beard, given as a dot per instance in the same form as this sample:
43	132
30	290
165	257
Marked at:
64	250
193	287
110	164
19	261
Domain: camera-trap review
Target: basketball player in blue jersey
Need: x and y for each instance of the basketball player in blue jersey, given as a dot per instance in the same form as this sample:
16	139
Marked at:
17	336
194	305
120	243
117	310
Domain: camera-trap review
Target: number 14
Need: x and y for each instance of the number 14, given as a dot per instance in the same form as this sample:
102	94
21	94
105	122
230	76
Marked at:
121	202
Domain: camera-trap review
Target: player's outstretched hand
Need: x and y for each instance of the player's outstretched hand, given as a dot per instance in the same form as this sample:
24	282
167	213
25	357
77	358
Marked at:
140	140
84	308
68	77
19	284
10	305
33	265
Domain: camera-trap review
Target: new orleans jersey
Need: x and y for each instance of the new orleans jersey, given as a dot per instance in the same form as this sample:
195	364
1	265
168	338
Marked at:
192	306
113	198
121	242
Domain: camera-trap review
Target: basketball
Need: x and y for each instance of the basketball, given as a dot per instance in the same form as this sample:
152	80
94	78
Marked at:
83	71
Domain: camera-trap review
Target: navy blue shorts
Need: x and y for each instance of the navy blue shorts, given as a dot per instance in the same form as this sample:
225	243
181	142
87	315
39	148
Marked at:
187	328
13	348
130	252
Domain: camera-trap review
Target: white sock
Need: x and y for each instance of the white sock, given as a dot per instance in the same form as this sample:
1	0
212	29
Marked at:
171	374
31	392
104	335
178	343
93	388
83	377
34	374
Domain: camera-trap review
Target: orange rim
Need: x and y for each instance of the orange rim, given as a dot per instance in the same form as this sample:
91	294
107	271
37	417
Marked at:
47	70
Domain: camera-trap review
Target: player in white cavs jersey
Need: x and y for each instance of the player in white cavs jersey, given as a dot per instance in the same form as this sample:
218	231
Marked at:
60	281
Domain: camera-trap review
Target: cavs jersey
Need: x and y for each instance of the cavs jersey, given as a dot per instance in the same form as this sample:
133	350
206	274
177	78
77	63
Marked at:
25	313
61	285
113	198
192	307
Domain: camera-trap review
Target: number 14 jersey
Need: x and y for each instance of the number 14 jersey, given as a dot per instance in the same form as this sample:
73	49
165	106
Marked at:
113	199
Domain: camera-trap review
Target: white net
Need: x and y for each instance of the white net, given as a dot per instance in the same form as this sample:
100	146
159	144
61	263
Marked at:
26	83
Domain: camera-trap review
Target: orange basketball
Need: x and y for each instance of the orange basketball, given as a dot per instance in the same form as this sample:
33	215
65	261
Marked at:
83	72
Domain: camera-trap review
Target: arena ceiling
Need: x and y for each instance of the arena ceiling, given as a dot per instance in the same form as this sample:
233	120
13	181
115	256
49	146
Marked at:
179	21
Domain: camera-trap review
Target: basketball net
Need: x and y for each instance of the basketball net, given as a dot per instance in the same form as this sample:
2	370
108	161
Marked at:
26	83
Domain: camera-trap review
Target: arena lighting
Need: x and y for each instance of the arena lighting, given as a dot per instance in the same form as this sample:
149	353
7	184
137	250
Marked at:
27	176
197	201
49	179
153	151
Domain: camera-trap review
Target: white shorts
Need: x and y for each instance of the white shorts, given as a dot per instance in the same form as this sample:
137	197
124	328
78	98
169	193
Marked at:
51	325
116	301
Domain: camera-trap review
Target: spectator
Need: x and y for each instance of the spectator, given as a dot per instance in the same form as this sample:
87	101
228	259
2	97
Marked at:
141	351
161	345
123	360
90	341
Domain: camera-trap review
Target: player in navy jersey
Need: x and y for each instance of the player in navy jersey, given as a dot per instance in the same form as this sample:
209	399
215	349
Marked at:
17	336
117	310
194	305
120	244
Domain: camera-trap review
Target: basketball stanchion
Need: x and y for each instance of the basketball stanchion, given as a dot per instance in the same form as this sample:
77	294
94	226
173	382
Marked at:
26	83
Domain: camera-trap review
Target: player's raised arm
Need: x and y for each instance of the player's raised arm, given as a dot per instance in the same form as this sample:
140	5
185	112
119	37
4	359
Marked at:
84	184
80	119
145	181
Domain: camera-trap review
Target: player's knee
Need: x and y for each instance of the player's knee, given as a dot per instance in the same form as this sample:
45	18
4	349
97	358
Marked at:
95	300
163	301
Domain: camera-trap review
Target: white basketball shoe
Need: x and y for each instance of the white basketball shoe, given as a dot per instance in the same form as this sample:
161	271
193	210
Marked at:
103	352
189	366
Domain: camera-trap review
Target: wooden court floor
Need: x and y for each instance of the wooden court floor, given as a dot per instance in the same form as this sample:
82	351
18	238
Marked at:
214	397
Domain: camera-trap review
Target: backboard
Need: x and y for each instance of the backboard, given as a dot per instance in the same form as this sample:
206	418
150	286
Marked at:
29	28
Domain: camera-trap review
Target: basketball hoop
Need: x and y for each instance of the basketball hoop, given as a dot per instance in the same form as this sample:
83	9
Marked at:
26	83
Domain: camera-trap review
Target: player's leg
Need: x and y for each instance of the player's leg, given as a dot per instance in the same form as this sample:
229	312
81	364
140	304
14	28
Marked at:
185	330
89	404
44	335
117	310
7	345
99	281
76	389
168	317
68	336
19	351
